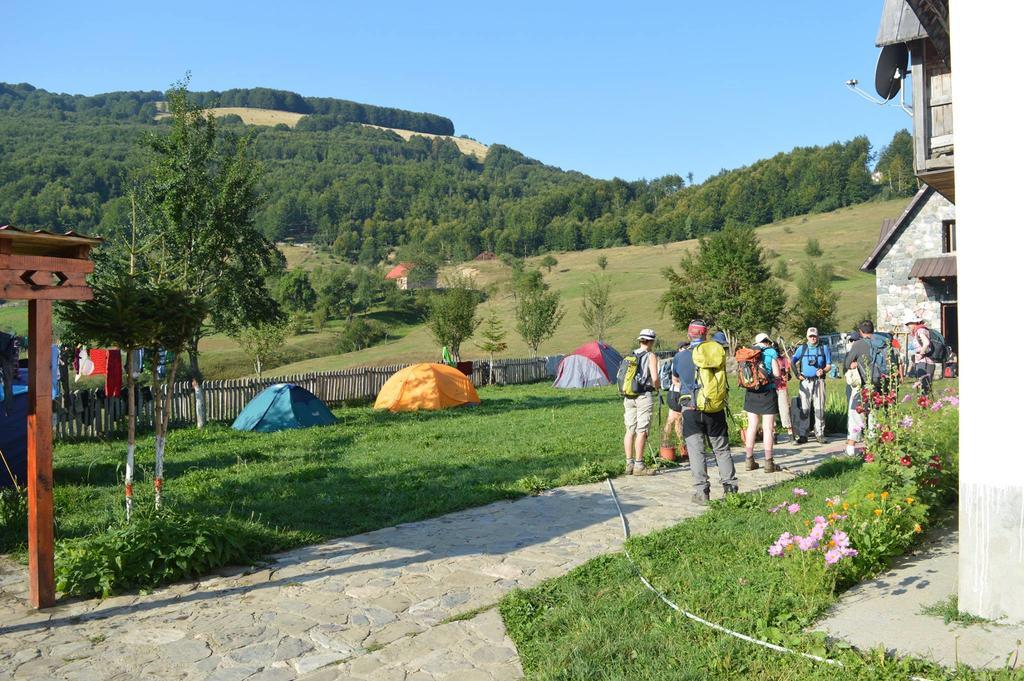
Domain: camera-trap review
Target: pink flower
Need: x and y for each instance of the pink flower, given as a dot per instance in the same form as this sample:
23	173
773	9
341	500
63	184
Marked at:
907	398
937	406
775	550
888	436
953	401
776	509
869	457
819	520
907	422
785	539
840	539
906	461
817	533
832	556
799	492
808	543
793	508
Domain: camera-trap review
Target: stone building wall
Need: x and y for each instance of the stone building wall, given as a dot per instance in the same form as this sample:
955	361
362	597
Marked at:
898	295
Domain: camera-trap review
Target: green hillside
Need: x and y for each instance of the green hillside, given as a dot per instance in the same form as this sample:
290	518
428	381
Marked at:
846	235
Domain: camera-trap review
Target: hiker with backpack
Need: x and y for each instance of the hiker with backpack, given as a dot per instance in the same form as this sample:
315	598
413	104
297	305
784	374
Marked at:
813	362
704	391
638	381
928	349
758	368
870	365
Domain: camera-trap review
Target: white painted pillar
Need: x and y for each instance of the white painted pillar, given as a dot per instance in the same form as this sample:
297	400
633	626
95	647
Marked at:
987	65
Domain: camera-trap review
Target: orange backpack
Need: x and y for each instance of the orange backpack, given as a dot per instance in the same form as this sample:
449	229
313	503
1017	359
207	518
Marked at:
750	367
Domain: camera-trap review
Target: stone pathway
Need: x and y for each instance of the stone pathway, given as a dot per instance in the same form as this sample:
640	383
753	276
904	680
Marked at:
886	612
381	605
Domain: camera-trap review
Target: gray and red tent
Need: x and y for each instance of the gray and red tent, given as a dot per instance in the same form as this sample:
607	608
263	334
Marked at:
592	364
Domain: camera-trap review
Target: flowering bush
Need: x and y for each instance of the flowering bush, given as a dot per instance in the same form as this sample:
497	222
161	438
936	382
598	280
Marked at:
909	468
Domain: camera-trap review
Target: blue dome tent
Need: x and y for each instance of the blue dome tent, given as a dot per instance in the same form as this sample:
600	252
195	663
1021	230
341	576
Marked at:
283	406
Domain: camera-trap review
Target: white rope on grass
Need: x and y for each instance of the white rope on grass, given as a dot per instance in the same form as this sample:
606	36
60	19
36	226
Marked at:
696	618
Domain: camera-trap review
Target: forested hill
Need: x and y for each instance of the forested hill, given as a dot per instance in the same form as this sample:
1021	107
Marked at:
364	192
141	106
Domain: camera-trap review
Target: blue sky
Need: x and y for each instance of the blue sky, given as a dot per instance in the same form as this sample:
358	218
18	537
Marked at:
611	89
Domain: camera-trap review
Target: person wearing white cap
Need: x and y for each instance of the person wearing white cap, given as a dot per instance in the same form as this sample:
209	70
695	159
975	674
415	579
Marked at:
638	408
813	362
762	403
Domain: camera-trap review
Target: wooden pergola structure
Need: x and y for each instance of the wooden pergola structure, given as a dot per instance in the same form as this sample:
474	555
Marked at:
42	267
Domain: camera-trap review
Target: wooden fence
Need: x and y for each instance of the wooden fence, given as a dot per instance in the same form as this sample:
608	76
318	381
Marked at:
88	413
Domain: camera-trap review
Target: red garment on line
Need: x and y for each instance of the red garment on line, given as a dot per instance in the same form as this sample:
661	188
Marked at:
112	388
99	362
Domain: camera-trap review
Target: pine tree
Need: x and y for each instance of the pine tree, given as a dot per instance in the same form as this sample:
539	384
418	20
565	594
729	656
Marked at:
494	334
726	282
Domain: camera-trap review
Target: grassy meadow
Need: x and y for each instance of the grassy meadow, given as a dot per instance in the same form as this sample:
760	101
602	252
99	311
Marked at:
846	237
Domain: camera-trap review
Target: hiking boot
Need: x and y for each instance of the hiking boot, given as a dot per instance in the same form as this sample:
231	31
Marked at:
701	498
770	467
629	469
644	470
801	440
821	439
751	464
730	489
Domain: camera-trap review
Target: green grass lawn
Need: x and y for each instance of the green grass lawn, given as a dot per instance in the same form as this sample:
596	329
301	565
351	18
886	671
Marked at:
600	622
371	470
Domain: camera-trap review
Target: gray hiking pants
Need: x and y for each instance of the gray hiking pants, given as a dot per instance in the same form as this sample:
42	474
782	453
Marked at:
812	396
697	424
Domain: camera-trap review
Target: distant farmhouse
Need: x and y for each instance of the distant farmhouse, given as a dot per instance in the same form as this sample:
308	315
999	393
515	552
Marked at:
914	263
402	275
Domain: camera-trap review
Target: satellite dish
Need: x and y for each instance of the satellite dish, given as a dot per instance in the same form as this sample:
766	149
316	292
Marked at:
891	70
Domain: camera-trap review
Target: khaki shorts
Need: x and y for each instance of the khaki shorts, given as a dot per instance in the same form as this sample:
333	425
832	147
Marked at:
638	413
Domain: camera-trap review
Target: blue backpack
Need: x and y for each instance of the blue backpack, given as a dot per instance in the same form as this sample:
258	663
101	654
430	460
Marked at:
881	356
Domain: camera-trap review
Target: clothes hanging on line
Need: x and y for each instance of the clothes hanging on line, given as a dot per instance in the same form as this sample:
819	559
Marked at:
112	387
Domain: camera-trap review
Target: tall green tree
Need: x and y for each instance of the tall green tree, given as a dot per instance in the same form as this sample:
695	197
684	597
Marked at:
597	311
261	343
452	316
295	292
549	262
816	302
201	199
538	314
896	164
726	282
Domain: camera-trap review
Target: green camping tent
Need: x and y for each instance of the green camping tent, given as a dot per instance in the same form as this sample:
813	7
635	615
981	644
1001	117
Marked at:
283	406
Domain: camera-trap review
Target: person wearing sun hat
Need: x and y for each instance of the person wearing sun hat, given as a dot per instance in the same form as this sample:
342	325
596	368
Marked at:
921	350
812	363
762	406
638	409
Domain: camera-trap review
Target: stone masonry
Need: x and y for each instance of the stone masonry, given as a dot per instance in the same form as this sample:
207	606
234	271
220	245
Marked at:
920	236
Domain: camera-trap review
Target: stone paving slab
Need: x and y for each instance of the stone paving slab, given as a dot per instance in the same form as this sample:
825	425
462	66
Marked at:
886	612
373	606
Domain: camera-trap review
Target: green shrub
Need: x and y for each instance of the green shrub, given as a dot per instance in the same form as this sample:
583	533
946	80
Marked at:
813	248
360	333
156	547
13	519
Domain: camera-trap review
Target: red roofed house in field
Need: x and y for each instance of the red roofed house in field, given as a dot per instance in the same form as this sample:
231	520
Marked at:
400	274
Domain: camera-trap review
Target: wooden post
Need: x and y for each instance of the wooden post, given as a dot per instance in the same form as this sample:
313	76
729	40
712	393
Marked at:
41	591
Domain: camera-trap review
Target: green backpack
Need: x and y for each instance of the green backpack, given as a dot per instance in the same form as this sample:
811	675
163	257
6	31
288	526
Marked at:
712	382
630	377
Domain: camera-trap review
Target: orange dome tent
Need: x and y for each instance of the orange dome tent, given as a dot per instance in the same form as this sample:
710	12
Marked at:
426	386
